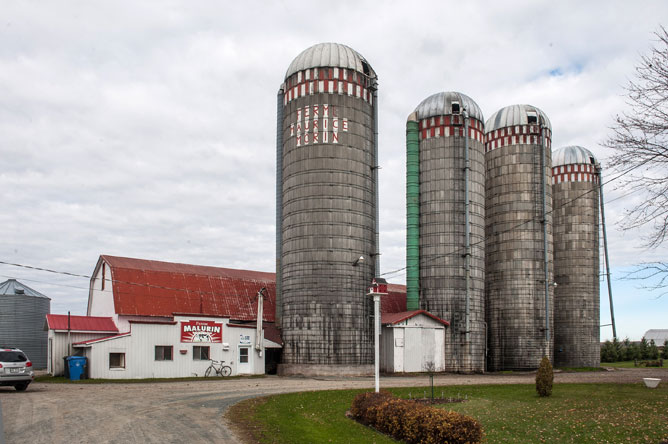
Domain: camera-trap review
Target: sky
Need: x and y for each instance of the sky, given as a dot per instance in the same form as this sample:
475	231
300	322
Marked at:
148	129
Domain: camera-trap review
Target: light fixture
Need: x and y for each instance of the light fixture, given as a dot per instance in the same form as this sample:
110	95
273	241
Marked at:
358	261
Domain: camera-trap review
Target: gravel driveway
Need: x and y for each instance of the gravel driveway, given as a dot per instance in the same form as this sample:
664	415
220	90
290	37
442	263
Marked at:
193	411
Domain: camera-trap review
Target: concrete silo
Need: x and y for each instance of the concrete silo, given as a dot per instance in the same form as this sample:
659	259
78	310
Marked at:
22	315
327	212
576	257
518	232
445	177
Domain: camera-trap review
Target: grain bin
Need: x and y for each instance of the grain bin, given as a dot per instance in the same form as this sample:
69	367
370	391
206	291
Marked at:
327	211
22	315
445	177
518	232
576	257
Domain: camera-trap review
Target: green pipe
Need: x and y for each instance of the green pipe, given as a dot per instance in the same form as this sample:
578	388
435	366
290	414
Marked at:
412	214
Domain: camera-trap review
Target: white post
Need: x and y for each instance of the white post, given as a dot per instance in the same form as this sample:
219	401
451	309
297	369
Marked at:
376	323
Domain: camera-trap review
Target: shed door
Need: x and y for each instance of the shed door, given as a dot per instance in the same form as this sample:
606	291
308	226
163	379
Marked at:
413	350
244	360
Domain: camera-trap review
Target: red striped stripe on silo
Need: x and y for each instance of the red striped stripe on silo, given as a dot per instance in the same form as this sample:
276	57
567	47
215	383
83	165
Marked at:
574	173
328	81
451	125
516	135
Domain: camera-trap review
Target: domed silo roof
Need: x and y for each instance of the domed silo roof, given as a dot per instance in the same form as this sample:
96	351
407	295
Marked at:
330	55
514	115
569	155
440	104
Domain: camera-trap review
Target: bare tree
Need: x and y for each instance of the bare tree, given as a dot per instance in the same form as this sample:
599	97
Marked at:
640	141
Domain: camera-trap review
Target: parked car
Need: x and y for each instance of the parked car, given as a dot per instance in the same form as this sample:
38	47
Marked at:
15	368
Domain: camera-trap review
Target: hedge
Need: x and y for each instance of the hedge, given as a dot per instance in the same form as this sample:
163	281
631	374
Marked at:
414	423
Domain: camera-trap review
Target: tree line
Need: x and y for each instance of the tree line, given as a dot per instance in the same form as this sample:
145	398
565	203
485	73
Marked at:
615	351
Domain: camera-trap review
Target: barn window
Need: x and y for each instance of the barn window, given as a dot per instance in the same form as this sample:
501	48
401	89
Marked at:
103	274
116	360
164	353
200	353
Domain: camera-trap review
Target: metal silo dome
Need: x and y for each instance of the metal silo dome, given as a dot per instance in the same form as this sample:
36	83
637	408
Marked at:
440	104
516	115
333	55
570	155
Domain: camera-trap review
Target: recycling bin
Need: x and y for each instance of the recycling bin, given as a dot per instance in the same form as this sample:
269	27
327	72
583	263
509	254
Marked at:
76	365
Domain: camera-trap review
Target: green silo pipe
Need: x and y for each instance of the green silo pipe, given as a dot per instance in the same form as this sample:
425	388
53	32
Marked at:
412	216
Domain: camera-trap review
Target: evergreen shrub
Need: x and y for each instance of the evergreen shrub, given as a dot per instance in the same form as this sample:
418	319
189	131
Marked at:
544	378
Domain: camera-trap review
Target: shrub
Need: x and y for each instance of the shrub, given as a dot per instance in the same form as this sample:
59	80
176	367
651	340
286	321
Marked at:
544	378
414	423
665	349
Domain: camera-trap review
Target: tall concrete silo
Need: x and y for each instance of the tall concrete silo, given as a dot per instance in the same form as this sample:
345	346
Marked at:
576	257
445	177
518	231
22	315
327	211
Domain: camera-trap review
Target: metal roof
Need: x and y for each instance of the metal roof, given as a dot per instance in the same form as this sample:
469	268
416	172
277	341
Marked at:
514	115
333	55
155	288
81	323
569	155
658	335
395	300
440	104
13	287
395	318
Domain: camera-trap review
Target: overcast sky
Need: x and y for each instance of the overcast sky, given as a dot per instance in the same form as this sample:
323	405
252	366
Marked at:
147	129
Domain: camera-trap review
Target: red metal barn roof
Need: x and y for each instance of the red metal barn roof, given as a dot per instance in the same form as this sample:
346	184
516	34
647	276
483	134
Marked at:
395	300
155	288
81	323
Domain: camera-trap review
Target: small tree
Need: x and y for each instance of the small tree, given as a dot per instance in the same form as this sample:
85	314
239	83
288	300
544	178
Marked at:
608	353
430	368
644	348
665	349
653	350
544	378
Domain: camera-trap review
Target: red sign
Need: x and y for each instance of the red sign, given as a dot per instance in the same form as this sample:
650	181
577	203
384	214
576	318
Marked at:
201	331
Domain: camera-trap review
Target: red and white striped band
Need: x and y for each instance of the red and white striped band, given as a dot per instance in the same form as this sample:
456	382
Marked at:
516	135
574	173
328	81
451	125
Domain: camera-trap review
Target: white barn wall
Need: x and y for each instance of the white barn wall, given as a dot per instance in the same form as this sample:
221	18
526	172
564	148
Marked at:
139	349
58	348
101	302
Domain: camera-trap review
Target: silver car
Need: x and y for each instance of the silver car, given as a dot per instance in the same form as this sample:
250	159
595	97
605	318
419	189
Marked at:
15	368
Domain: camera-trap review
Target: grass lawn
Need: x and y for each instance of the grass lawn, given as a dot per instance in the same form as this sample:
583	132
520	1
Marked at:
575	413
629	364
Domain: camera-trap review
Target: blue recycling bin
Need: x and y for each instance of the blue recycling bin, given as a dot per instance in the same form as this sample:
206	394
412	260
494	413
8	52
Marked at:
76	365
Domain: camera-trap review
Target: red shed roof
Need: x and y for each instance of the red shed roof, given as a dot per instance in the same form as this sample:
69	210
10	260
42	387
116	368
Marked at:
395	318
81	323
155	288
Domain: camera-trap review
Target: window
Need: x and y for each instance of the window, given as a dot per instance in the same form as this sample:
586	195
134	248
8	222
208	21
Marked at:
243	355
163	353
200	353
455	107
116	360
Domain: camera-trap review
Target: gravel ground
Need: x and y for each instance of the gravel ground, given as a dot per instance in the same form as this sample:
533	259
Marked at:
193	411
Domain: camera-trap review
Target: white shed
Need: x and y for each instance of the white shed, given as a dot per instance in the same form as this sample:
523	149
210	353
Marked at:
411	341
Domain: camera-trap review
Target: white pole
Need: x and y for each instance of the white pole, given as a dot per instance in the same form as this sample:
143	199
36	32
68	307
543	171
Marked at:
376	322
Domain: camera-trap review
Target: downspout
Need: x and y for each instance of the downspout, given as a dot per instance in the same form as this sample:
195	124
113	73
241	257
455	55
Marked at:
412	214
605	249
279	205
543	133
376	167
258	321
467	211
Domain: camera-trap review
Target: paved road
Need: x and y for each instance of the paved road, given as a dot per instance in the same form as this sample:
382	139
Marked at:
192	411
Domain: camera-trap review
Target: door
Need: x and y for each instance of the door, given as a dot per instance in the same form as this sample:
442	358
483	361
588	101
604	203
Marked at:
244	360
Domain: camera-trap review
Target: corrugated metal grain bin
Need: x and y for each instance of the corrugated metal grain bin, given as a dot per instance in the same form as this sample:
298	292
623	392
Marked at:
576	258
518	232
327	211
22	315
446	222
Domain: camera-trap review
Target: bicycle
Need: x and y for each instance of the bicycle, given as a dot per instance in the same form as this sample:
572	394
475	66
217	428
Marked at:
221	370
